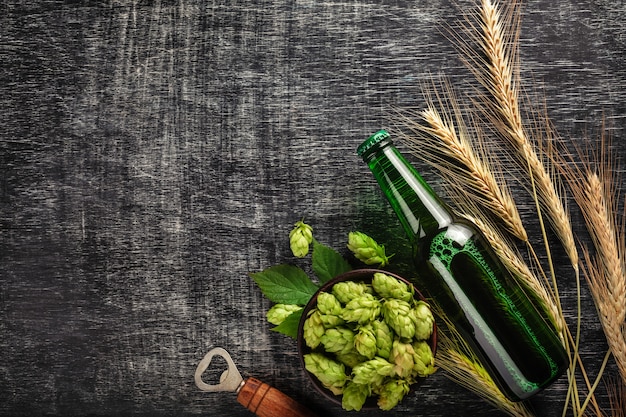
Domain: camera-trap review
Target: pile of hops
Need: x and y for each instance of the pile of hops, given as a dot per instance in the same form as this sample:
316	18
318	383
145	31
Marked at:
369	340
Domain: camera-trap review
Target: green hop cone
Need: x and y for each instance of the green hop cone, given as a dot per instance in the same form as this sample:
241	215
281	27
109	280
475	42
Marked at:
389	287
423	358
424	321
362	309
300	237
365	341
372	372
330	373
327	303
330	309
350	359
354	396
313	329
338	340
391	393
330	320
402	356
366	249
384	338
347	290
279	312
397	314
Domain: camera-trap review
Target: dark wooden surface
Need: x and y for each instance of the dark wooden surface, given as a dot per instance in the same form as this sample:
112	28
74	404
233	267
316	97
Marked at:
152	154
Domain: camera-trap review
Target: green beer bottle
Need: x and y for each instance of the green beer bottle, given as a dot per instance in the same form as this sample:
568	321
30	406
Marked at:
460	271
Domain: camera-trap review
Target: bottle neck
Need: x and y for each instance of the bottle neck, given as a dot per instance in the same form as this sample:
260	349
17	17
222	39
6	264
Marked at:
419	209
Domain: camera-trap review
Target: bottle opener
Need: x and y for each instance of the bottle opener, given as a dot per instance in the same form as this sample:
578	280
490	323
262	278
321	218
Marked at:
258	397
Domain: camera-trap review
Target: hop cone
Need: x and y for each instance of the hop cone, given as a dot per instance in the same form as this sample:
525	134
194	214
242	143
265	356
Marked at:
339	339
366	249
354	396
313	329
397	315
391	393
330	320
347	290
362	309
372	372
384	338
330	373
279	312
424	361
365	341
389	287
327	303
300	238
402	356
424	321
350	359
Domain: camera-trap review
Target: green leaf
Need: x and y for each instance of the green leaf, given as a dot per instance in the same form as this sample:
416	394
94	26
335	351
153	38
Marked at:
289	326
285	284
328	263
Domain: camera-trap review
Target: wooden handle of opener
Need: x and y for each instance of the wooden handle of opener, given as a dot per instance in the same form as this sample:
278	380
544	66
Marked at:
266	401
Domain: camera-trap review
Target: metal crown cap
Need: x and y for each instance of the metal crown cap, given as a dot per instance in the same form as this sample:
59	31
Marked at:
373	140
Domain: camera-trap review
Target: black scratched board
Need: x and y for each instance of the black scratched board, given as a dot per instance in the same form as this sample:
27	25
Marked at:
153	154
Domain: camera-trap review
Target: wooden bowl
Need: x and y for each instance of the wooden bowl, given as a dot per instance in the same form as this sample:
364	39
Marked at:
357	275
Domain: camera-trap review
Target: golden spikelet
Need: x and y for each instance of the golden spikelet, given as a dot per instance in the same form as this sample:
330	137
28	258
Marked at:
460	365
494	67
605	268
442	140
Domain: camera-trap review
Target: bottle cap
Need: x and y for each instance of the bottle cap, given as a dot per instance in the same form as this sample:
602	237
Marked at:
373	140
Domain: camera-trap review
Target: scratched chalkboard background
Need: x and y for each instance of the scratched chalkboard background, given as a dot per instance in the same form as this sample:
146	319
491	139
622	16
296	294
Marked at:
152	154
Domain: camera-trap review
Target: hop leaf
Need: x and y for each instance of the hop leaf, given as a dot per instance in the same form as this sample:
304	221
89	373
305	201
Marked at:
313	329
391	393
424	321
327	262
300	237
424	361
397	314
390	287
402	358
279	312
365	341
285	284
366	249
362	309
372	372
384	338
347	290
354	396
340	339
330	373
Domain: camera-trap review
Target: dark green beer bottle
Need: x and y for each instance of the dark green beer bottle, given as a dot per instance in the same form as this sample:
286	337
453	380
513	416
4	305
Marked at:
458	268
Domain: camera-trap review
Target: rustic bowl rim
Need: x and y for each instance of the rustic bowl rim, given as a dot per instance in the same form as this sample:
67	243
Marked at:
361	274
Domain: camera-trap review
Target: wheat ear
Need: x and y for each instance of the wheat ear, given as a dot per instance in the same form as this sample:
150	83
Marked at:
494	68
462	367
443	141
606	272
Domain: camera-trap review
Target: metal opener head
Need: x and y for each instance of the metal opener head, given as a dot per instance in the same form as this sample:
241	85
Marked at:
230	380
